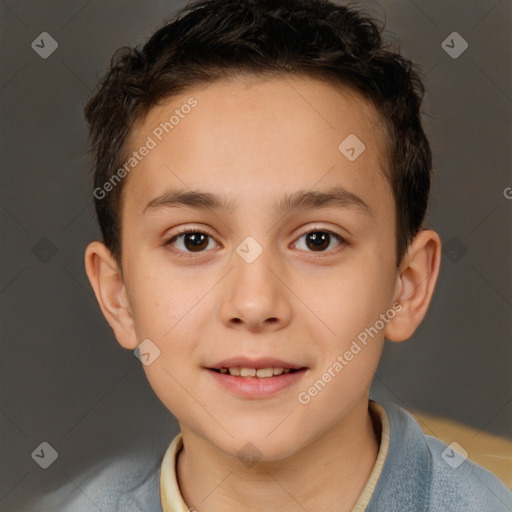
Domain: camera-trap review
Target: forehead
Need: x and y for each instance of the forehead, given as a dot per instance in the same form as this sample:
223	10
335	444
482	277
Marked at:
314	102
248	133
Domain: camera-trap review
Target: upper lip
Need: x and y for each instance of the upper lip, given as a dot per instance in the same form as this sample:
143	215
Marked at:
256	362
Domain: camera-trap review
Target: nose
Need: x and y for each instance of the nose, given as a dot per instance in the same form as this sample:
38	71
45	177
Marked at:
255	298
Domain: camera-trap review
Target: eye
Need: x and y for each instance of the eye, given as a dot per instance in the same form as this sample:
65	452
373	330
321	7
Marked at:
191	240
318	240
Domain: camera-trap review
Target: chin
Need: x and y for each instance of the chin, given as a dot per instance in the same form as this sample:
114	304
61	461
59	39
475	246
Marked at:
253	444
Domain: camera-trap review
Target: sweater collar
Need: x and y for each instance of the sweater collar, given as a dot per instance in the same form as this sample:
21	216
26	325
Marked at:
404	483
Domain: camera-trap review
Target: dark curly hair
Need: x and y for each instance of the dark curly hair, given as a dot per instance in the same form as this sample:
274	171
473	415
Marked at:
213	39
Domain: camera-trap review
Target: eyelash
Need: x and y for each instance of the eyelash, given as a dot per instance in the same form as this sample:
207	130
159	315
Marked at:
188	254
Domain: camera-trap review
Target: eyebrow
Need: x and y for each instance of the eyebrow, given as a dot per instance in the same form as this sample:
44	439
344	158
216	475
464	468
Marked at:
336	196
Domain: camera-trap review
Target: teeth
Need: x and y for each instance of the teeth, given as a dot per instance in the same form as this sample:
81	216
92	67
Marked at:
262	373
247	372
265	372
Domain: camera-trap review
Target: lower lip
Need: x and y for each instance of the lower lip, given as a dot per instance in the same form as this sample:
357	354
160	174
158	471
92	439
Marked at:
255	387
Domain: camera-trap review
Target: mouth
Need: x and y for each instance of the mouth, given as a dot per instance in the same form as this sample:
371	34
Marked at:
251	377
258	373
256	383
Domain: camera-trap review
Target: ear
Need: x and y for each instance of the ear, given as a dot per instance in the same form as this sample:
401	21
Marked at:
416	280
107	281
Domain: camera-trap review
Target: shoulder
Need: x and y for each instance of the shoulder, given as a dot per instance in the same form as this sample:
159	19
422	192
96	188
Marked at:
463	485
423	473
125	483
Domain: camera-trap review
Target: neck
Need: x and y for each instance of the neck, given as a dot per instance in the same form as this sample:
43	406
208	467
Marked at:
334	468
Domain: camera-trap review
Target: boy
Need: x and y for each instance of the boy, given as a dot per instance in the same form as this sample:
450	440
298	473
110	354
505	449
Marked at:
261	180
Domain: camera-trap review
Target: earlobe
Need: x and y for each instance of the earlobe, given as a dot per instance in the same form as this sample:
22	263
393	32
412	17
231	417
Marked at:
110	290
416	281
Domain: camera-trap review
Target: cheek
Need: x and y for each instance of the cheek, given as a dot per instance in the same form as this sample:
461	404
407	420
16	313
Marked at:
349	307
352	298
160	301
169	313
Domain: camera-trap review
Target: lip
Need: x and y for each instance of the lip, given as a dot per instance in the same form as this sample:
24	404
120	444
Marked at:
255	387
257	363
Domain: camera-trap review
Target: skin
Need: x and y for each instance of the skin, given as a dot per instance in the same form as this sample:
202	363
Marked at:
255	140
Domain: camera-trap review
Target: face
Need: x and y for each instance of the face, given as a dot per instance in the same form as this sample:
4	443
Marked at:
285	259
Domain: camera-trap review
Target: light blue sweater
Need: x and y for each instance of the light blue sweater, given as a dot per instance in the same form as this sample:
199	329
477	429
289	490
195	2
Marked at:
417	478
420	474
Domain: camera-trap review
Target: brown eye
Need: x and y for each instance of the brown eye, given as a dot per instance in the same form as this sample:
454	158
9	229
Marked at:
319	241
195	241
191	241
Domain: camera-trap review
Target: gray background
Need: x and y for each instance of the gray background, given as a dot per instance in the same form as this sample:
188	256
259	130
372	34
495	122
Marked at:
65	380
